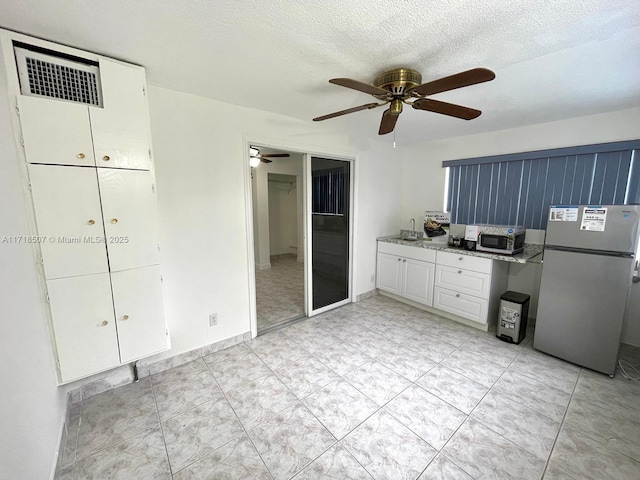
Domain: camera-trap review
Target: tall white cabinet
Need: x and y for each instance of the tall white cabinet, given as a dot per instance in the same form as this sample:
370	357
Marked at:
94	199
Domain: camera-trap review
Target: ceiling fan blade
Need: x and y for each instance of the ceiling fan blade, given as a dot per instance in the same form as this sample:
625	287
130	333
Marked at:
388	122
348	110
360	86
462	79
445	108
262	159
274	155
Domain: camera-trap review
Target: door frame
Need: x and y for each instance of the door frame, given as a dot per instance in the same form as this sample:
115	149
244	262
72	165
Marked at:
308	249
306	151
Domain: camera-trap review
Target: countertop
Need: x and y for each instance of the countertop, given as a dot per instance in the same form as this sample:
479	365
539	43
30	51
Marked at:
531	254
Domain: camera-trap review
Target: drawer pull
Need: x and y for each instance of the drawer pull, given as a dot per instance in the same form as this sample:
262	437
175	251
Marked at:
106	158
125	317
460	258
104	323
80	155
459	271
399	259
403	260
457	295
91	222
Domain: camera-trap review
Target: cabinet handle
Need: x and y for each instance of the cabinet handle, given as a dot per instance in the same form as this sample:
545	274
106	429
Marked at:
114	220
399	259
105	323
106	158
459	271
125	317
91	222
404	260
461	258
80	155
458	295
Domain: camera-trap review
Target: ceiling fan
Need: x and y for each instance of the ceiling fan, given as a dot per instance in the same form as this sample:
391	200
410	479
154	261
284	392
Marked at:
256	158
404	85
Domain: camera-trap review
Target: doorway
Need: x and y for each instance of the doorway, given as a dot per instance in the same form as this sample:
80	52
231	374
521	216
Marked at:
277	202
302	266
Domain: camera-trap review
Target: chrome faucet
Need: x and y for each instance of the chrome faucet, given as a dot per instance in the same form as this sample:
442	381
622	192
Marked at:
413	226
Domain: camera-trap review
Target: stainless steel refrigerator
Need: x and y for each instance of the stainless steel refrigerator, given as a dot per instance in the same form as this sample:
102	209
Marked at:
587	270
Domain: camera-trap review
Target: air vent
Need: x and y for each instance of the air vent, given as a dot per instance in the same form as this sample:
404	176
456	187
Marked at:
43	75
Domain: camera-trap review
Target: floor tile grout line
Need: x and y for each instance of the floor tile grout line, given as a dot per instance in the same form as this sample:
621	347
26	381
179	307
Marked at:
244	430
555	441
164	441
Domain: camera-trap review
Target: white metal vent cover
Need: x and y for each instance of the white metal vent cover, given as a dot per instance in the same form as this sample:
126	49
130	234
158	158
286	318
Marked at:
43	75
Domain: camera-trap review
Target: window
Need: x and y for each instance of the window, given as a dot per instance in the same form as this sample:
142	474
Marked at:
328	191
517	189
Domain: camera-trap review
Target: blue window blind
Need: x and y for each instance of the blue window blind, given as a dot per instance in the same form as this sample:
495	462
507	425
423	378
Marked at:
328	191
518	189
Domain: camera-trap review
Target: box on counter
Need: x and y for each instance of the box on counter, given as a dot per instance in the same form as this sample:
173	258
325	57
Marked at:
436	223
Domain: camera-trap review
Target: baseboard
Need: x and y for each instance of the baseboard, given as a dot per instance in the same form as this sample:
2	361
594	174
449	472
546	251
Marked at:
365	295
263	266
152	366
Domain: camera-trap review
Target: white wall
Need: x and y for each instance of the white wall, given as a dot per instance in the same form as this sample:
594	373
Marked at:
286	166
199	153
32	406
283	217
424	178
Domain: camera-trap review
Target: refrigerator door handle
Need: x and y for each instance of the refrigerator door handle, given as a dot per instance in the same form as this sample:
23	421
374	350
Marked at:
587	251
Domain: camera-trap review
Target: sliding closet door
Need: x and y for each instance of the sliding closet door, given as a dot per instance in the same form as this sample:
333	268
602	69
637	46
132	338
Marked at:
328	229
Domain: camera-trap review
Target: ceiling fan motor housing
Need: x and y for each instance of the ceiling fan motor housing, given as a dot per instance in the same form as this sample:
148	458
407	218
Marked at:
398	81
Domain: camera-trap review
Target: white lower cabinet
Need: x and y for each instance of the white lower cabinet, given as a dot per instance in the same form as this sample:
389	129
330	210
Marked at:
417	281
91	336
406	271
469	287
139	313
84	325
466	287
465	306
389	273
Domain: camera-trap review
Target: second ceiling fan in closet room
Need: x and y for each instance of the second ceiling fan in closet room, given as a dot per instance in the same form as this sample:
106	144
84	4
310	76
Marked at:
254	153
404	85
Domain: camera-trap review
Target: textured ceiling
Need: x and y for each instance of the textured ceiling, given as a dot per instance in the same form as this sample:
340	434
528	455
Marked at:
553	59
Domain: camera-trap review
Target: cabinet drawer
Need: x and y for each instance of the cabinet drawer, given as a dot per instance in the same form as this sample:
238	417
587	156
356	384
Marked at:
459	260
417	253
465	306
463	281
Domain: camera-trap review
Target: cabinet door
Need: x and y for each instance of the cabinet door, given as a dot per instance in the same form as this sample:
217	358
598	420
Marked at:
139	308
130	216
83	324
465	306
417	281
463	281
121	134
67	208
388	273
55	132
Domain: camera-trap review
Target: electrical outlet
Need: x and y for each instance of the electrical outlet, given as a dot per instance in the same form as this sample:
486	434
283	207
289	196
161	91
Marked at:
213	319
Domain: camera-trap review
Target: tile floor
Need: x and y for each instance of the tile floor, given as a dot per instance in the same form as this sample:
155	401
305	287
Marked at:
376	390
280	291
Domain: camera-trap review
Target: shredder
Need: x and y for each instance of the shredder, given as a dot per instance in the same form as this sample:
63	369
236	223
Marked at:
512	319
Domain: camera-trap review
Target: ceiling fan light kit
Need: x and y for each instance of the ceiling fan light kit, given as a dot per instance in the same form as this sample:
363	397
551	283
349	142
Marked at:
404	85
